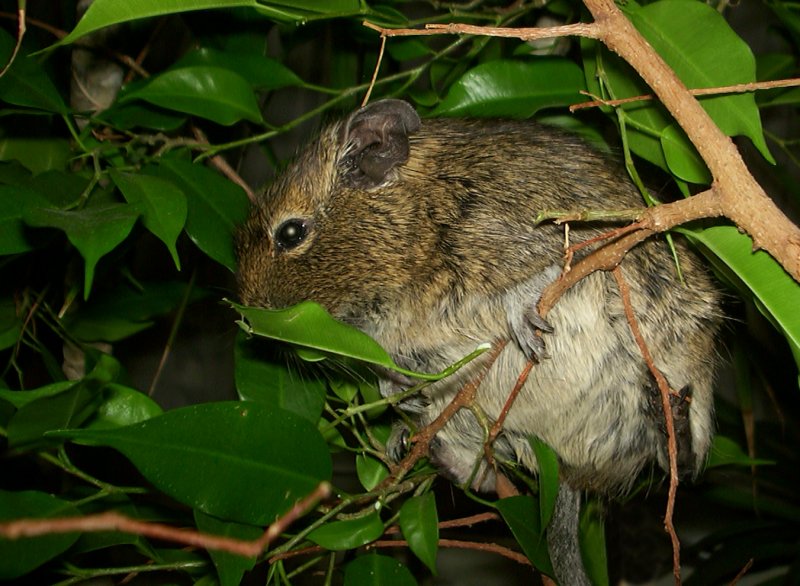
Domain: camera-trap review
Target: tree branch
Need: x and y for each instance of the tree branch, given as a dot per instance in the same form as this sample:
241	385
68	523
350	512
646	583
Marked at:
739	197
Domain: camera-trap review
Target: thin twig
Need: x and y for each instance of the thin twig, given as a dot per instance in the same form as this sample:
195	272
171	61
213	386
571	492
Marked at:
173	333
738	88
742	572
375	73
497	427
580	29
20	33
223	167
460	544
664	390
421	441
113	521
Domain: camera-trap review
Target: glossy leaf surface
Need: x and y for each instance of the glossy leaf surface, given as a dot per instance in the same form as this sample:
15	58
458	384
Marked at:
191	454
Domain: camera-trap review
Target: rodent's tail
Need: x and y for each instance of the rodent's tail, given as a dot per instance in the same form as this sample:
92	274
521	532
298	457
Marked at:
562	539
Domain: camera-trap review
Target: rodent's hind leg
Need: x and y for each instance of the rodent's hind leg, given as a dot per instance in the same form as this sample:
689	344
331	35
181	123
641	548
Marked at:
679	407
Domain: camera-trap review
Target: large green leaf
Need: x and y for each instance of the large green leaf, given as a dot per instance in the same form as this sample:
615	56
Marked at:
94	231
219	95
374	569
234	460
263	376
216	207
308	325
699	45
230	567
419	523
702	48
163	206
260	72
18	557
103	13
521	514
26	83
775	292
513	88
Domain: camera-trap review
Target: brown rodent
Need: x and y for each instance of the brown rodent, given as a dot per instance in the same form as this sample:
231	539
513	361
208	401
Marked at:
422	233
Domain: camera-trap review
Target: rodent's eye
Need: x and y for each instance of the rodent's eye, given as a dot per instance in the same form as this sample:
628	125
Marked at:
291	233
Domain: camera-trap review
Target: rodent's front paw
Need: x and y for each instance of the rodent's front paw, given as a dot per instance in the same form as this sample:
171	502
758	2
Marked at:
526	329
399	441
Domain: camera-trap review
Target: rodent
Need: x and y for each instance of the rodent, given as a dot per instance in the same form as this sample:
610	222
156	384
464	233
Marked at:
422	233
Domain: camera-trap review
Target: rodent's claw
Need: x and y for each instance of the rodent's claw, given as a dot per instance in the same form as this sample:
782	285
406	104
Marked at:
399	442
526	331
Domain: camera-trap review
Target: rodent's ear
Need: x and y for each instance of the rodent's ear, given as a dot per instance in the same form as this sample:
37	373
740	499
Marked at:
375	140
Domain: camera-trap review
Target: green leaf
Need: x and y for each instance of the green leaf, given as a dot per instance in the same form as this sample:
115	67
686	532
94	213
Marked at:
371	394
251	477
345	389
725	452
521	514
515	89
307	324
702	49
593	543
217	94
93	231
547	463
122	406
21	398
681	156
697	42
408	49
61	188
64	410
10	323
129	115
103	13
262	376
260	72
37	154
370	471
20	556
163	206
216	207
26	83
230	567
120	312
777	295
14	201
349	534
374	569
419	522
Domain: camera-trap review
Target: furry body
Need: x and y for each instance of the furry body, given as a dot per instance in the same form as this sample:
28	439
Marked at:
422	234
